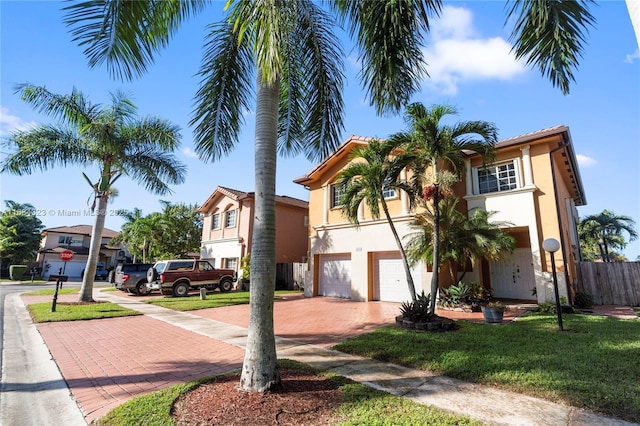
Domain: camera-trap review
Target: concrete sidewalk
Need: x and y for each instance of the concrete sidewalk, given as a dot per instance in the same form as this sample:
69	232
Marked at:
126	357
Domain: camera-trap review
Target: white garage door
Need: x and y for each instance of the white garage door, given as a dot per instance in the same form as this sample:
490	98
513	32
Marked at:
334	274
72	269
390	279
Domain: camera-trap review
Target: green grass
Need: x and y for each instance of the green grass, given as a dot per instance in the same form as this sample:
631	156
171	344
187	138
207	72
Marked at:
594	363
213	300
41	312
362	405
50	291
24	281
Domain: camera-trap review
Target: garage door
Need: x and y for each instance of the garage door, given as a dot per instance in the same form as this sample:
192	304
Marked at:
390	279
334	273
72	269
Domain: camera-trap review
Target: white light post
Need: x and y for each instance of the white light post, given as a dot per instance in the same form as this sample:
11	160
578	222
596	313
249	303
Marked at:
552	246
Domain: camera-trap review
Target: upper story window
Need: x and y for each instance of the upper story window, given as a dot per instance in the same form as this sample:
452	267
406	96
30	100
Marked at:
230	219
388	192
215	221
62	239
498	177
337	192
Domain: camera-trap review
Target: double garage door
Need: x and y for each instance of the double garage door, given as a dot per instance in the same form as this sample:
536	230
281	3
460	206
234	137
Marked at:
389	278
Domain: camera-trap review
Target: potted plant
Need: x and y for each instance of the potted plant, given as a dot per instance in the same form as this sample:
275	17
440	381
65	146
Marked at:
494	311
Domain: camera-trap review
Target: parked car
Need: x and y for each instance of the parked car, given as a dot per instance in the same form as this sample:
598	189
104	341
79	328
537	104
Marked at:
101	272
132	277
177	277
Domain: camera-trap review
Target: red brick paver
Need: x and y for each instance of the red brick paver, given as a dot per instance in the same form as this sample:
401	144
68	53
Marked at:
107	362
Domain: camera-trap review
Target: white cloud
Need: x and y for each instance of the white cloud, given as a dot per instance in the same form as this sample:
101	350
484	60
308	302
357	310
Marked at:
10	123
632	57
456	54
584	161
189	152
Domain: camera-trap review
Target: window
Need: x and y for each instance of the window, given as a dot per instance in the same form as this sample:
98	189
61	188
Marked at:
231	263
337	192
499	177
64	240
230	219
388	192
215	221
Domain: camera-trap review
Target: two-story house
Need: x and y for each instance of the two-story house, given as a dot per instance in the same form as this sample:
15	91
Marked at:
76	239
534	184
228	225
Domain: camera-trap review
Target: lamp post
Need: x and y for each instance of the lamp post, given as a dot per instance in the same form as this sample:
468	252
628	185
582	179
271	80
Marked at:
552	246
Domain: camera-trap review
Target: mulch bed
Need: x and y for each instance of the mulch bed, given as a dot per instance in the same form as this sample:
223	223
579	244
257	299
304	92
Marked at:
303	399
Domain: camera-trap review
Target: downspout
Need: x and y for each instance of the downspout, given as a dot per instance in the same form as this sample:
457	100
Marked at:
560	226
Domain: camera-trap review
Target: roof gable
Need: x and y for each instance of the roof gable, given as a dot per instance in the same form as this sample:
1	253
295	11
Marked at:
81	230
237	195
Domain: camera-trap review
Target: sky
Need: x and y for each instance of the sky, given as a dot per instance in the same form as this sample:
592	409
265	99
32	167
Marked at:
470	67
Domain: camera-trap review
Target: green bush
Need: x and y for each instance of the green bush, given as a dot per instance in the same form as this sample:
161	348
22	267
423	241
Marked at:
417	310
583	300
17	271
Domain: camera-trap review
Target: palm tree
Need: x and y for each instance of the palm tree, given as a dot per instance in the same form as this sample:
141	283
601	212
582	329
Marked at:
380	170
291	49
462	238
447	145
606	229
111	137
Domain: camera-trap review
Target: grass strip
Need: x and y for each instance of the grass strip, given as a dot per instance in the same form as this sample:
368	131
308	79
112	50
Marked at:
41	312
213	300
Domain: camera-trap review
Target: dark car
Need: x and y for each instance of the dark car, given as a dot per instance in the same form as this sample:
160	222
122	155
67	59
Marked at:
132	277
101	272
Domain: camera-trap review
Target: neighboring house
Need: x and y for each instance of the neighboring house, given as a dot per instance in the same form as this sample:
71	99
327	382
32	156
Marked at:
534	184
75	238
228	226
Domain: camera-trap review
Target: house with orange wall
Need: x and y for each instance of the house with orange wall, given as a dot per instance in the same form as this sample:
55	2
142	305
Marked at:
534	184
228	225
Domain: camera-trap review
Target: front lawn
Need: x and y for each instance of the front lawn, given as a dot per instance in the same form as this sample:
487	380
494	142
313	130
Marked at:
213	300
41	312
594	363
50	292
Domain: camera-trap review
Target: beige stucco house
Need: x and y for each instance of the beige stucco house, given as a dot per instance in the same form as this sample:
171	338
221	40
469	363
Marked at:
534	184
77	239
228	226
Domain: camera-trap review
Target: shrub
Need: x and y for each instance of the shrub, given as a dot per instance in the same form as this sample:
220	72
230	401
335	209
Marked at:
417	310
17	271
583	300
463	293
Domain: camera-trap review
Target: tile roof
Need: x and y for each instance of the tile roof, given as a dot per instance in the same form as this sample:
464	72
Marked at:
81	230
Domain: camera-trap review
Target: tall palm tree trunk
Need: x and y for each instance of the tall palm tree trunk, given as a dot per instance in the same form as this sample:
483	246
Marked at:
436	248
86	291
259	372
405	261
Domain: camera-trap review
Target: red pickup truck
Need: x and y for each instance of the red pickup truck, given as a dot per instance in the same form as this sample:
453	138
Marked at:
177	277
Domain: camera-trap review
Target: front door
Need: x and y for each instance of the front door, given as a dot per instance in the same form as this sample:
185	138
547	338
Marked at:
513	278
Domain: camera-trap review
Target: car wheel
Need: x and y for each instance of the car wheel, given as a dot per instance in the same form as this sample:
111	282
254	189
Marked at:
181	289
152	274
225	285
141	289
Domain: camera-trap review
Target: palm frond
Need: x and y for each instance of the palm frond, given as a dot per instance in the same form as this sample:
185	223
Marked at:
224	94
154	169
126	34
550	35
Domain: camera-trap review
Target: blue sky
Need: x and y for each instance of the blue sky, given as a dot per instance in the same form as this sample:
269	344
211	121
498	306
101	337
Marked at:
469	64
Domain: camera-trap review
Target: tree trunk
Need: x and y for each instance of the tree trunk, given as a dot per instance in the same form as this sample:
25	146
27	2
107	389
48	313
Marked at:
407	269
259	371
86	291
436	248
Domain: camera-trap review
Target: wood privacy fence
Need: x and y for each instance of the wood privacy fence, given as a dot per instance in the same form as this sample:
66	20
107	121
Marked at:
290	276
615	283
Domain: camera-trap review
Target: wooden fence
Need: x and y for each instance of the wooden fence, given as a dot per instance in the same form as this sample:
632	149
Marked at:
290	276
615	283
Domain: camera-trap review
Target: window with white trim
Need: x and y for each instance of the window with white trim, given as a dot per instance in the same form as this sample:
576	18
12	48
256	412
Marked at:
230	219
215	221
497	177
231	263
337	192
388	192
